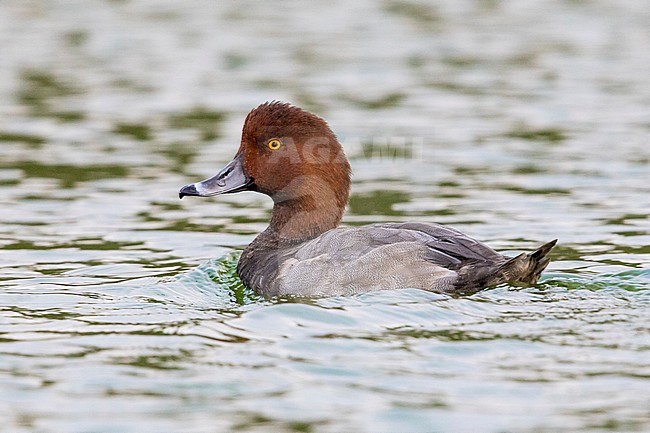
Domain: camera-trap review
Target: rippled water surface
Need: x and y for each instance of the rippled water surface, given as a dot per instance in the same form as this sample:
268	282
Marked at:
516	122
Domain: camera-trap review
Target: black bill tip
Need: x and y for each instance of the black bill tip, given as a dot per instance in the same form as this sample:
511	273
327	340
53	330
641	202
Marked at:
188	190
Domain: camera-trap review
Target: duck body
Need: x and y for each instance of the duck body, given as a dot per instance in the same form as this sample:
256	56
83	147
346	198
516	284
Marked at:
351	260
293	157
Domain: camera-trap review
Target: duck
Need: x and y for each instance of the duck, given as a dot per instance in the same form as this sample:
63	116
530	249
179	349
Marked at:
293	157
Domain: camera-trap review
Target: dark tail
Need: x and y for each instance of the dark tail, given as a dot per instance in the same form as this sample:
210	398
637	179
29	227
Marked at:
525	268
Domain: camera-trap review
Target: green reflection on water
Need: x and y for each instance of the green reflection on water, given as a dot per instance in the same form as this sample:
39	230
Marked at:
157	362
86	244
459	61
180	154
225	272
377	203
221	272
387	101
33	140
52	314
423	15
234	60
76	38
69	175
202	119
534	191
257	420
549	135
453	87
622	220
178	224
528	169
41	89
138	131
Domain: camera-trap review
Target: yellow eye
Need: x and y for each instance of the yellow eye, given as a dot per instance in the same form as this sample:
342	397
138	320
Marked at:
274	144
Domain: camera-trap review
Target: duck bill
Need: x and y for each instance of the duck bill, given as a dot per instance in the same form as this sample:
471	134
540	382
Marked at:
231	178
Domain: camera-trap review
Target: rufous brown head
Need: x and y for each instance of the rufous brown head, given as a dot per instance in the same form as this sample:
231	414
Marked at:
288	154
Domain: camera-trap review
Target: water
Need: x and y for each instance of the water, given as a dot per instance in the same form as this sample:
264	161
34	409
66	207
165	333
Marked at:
516	122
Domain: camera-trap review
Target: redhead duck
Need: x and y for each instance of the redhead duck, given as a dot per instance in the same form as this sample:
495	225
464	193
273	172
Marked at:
293	157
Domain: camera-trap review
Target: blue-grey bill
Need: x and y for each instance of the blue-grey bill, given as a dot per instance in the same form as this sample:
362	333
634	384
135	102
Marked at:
231	178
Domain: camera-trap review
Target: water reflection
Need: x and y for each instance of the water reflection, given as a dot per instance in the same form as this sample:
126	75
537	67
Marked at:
516	123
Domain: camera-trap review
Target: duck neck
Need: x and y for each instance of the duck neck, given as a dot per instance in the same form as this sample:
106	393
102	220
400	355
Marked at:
297	220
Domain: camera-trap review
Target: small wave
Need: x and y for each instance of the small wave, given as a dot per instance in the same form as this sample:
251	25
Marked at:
631	280
212	284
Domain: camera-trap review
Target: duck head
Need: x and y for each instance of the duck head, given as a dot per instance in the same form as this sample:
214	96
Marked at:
293	157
